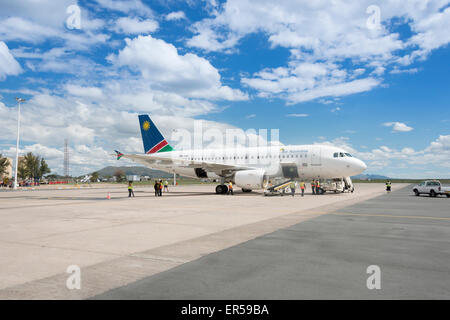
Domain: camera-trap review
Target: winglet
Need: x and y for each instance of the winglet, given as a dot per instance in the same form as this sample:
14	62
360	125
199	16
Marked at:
119	154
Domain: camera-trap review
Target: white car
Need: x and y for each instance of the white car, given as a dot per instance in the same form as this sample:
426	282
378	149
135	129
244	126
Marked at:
432	187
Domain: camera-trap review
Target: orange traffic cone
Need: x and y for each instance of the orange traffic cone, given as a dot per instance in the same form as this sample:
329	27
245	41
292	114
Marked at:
108	196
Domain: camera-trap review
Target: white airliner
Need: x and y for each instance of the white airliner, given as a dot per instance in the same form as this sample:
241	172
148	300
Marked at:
248	168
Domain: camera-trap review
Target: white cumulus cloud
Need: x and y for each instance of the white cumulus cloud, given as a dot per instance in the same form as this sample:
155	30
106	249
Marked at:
164	68
176	15
135	25
8	65
398	126
332	31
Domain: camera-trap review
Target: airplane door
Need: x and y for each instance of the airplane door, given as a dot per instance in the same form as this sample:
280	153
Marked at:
316	158
290	171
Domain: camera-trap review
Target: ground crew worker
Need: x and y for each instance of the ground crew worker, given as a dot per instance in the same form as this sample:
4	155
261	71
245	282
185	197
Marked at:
292	186
166	186
160	187
313	187
388	186
156	186
317	186
230	188
302	187
130	189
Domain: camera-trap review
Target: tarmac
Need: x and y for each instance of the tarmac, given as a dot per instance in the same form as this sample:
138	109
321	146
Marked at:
194	244
327	257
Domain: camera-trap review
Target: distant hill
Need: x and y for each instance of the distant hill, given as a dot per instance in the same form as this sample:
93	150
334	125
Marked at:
140	171
370	176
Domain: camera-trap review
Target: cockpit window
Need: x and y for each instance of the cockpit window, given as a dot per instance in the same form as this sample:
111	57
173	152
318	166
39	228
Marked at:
341	155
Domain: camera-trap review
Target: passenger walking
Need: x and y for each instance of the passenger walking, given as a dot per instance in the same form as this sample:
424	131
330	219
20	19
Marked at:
130	189
156	186
302	187
166	186
230	188
313	187
292	186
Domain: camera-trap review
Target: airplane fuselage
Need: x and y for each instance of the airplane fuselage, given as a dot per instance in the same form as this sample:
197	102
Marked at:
298	162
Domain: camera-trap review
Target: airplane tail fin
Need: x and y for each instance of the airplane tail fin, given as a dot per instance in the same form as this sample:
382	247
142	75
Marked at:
151	137
118	154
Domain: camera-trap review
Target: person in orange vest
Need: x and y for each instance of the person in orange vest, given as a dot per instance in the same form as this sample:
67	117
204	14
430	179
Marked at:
230	188
317	186
313	186
302	187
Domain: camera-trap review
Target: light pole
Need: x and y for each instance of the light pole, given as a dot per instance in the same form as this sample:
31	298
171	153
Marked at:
19	101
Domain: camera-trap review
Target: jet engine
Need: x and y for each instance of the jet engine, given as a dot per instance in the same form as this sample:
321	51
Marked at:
249	179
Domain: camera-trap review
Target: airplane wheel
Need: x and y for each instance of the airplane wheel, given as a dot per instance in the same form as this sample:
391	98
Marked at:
221	189
246	190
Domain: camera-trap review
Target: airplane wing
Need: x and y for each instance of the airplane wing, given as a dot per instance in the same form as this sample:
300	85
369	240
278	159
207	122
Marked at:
157	162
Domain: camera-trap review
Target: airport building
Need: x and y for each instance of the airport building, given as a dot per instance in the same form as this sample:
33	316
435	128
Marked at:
9	171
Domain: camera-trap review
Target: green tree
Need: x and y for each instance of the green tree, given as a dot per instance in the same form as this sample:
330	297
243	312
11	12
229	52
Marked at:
52	177
22	170
4	164
120	175
43	168
32	164
94	177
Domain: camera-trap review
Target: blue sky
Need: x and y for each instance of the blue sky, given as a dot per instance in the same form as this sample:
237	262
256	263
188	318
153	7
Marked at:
321	72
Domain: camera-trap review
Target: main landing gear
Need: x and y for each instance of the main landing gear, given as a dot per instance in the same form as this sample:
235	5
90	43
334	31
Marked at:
221	189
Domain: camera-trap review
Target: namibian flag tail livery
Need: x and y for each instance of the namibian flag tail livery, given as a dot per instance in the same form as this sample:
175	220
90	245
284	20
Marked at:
119	154
153	140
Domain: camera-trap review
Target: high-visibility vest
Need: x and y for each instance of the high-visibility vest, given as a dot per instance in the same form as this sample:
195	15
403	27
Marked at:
302	185
230	185
313	184
130	187
318	184
292	185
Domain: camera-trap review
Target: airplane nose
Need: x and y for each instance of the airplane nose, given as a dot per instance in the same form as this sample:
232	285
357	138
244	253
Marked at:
356	166
361	165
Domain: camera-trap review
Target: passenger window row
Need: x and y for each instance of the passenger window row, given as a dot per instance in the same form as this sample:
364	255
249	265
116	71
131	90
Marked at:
252	157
